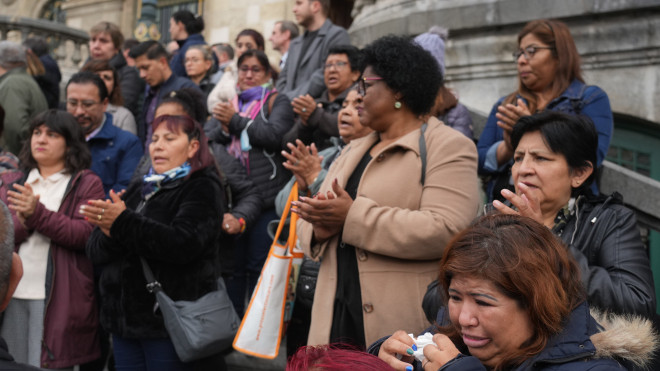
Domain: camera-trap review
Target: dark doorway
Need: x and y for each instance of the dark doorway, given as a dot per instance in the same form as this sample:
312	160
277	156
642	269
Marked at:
340	12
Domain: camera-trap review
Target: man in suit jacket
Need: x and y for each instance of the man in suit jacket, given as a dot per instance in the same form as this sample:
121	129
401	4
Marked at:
303	71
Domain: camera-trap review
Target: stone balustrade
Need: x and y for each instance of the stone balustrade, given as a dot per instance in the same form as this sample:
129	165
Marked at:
69	45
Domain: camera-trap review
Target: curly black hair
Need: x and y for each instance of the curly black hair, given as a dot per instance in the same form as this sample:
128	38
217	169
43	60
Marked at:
191	100
407	69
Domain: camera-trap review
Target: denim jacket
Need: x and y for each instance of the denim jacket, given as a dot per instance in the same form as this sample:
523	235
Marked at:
578	98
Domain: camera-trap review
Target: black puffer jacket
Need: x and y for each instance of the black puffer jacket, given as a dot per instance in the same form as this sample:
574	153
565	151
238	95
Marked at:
132	86
177	232
265	161
244	201
614	264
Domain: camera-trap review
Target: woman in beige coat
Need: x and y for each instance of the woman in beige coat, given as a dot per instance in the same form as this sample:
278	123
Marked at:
380	227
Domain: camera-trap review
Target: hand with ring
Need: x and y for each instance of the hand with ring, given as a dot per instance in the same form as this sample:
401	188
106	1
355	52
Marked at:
102	213
303	106
230	224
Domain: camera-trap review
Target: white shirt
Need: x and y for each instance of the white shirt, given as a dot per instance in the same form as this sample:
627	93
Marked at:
34	250
283	60
96	131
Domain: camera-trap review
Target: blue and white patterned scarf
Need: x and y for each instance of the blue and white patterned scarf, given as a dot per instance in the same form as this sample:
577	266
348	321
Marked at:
152	182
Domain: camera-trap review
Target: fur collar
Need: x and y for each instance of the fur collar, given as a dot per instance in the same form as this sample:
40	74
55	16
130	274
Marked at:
624	337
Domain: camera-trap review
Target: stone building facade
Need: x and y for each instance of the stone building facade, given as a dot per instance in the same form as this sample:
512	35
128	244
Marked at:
619	40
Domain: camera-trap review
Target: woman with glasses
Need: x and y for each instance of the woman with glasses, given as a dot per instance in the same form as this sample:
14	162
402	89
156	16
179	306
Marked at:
388	204
171	219
225	89
252	126
549	78
317	119
52	321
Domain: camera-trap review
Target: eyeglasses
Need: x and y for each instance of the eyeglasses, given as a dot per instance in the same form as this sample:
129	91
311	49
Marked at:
337	65
255	70
529	52
85	104
362	86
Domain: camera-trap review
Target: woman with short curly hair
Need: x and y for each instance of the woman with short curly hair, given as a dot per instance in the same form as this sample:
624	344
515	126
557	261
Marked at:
389	203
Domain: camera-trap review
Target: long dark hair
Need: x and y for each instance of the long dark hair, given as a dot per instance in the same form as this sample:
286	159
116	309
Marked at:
556	35
77	156
98	65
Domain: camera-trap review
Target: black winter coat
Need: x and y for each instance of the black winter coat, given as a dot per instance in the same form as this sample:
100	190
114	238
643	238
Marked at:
321	125
614	264
245	201
177	231
265	161
132	86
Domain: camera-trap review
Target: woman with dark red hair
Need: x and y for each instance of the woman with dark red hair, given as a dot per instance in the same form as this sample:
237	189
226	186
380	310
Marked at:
172	220
514	301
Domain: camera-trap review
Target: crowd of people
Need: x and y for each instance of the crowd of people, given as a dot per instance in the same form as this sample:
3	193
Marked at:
180	156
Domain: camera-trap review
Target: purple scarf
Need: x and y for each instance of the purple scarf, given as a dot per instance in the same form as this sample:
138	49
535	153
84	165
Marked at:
248	103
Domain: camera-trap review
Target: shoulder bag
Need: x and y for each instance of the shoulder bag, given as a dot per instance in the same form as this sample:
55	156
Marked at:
197	328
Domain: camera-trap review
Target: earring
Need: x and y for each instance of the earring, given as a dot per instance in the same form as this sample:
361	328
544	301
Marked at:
397	104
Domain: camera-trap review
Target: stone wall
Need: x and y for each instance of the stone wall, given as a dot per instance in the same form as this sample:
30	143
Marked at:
224	19
619	42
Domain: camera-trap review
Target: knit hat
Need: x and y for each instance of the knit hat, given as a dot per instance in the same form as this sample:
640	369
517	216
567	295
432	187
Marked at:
433	41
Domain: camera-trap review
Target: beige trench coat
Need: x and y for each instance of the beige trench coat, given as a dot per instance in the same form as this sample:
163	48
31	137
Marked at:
400	228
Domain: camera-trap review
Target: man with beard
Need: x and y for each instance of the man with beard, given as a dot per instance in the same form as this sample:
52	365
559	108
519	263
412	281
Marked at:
303	72
115	152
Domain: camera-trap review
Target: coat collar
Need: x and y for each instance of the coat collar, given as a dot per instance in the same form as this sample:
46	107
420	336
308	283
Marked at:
107	131
14	71
193	39
117	61
573	92
572	343
408	142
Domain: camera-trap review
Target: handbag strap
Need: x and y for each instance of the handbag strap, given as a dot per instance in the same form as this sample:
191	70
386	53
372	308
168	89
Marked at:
153	286
293	195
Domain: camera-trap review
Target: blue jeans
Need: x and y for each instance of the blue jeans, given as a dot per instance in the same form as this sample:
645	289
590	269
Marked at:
158	355
146	355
